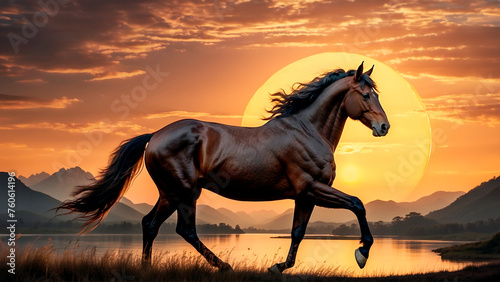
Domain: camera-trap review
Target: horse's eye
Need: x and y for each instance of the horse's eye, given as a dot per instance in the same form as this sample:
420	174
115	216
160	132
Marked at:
366	96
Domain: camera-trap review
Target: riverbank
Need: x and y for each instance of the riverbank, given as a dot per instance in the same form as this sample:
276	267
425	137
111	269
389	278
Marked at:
485	250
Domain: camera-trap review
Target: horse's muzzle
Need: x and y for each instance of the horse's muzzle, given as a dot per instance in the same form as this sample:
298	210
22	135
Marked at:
381	129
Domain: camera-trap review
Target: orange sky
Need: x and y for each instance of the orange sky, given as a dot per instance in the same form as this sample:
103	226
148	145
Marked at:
73	86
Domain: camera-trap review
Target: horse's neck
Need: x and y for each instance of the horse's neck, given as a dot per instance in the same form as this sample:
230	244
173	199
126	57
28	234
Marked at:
327	113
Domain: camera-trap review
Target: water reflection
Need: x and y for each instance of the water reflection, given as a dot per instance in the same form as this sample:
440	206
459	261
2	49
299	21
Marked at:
388	256
413	246
223	238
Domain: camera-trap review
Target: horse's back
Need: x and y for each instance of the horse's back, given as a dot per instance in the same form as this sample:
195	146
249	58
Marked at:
195	137
193	143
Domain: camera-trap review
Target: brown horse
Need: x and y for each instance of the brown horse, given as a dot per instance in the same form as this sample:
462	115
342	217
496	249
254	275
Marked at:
290	157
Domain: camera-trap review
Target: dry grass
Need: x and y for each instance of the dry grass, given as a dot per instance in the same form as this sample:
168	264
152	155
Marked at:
47	264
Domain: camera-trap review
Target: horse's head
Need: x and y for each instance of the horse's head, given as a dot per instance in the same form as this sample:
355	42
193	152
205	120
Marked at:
361	103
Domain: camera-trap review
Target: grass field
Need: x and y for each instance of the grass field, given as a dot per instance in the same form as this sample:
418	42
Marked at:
45	264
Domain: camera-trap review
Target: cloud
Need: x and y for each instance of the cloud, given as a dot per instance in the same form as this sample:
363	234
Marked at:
347	148
465	108
36	80
82	35
120	128
12	102
103	38
186	114
20	146
14	145
116	75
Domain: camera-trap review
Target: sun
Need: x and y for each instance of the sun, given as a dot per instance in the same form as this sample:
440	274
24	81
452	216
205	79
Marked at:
350	173
386	168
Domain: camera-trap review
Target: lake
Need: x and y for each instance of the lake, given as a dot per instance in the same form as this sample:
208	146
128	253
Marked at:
387	256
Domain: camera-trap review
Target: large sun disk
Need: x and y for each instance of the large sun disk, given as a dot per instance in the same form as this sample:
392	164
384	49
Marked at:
367	166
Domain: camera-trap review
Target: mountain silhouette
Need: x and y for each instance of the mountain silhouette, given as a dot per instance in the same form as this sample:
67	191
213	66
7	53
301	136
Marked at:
142	207
27	199
480	203
241	218
61	184
386	210
279	222
34	178
377	210
208	215
39	205
263	215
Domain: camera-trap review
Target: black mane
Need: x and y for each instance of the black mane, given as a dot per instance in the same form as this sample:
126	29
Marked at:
304	94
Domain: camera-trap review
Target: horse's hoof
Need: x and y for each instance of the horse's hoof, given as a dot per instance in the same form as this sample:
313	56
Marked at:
226	268
360	258
274	269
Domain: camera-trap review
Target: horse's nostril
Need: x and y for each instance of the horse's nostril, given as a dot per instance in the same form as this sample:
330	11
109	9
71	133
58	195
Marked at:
384	127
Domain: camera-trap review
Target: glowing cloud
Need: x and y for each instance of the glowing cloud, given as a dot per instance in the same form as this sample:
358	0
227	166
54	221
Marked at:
12	102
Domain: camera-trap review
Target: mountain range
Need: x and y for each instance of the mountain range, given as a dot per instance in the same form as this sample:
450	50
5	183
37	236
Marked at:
34	178
480	203
60	184
377	210
30	202
386	210
47	191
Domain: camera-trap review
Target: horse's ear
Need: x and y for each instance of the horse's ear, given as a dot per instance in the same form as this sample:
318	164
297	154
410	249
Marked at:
359	72
369	72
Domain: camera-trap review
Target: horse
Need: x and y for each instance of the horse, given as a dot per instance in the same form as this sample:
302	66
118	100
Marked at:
291	156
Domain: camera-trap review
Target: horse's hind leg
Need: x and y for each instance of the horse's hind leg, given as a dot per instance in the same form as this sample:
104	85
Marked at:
329	197
186	227
151	224
302	213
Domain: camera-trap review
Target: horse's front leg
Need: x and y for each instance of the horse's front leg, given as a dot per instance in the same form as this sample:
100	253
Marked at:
329	197
302	213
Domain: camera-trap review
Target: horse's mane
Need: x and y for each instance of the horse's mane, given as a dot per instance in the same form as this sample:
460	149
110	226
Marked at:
304	94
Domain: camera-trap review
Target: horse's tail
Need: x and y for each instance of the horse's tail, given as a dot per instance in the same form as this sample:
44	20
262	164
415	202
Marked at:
95	200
